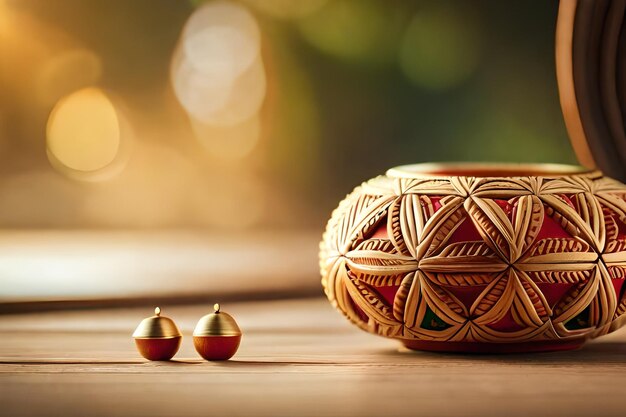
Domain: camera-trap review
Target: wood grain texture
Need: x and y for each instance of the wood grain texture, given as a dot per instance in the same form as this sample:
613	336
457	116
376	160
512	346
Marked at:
296	358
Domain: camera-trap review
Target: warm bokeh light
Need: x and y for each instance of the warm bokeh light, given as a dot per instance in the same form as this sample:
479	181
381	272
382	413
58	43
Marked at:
200	94
21	210
67	71
232	202
83	131
221	38
225	114
4	16
228	119
217	72
229	142
152	191
245	99
3	13
441	47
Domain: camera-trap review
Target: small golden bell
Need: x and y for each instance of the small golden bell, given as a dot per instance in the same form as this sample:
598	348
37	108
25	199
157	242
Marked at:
157	337
217	336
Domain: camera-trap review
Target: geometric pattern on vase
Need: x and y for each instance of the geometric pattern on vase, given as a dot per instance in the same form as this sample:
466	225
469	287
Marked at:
480	259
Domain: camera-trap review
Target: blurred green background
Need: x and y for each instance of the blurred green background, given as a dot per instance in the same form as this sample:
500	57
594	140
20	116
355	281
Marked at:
323	95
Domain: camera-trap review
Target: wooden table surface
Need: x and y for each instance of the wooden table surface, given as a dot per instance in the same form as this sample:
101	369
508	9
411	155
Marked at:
298	357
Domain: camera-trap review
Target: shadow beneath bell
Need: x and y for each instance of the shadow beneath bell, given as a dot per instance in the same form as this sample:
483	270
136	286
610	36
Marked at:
176	362
235	363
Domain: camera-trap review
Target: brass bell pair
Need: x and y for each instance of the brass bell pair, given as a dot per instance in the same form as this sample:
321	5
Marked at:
216	336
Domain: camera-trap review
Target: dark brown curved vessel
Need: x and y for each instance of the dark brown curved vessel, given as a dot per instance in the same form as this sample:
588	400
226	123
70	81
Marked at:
591	72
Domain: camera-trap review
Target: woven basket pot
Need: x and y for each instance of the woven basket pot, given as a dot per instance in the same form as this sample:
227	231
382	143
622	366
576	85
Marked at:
480	258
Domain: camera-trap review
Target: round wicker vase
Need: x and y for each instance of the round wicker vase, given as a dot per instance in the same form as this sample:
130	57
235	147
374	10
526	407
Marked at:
480	258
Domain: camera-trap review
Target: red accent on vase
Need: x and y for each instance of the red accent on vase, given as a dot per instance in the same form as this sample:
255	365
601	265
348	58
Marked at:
616	272
551	229
388	293
506	324
435	202
553	292
466	295
505	206
466	232
617	285
568	199
359	312
621	227
381	230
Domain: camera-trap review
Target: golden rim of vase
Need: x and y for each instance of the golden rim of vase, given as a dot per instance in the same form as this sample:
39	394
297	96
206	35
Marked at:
486	170
217	323
157	327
